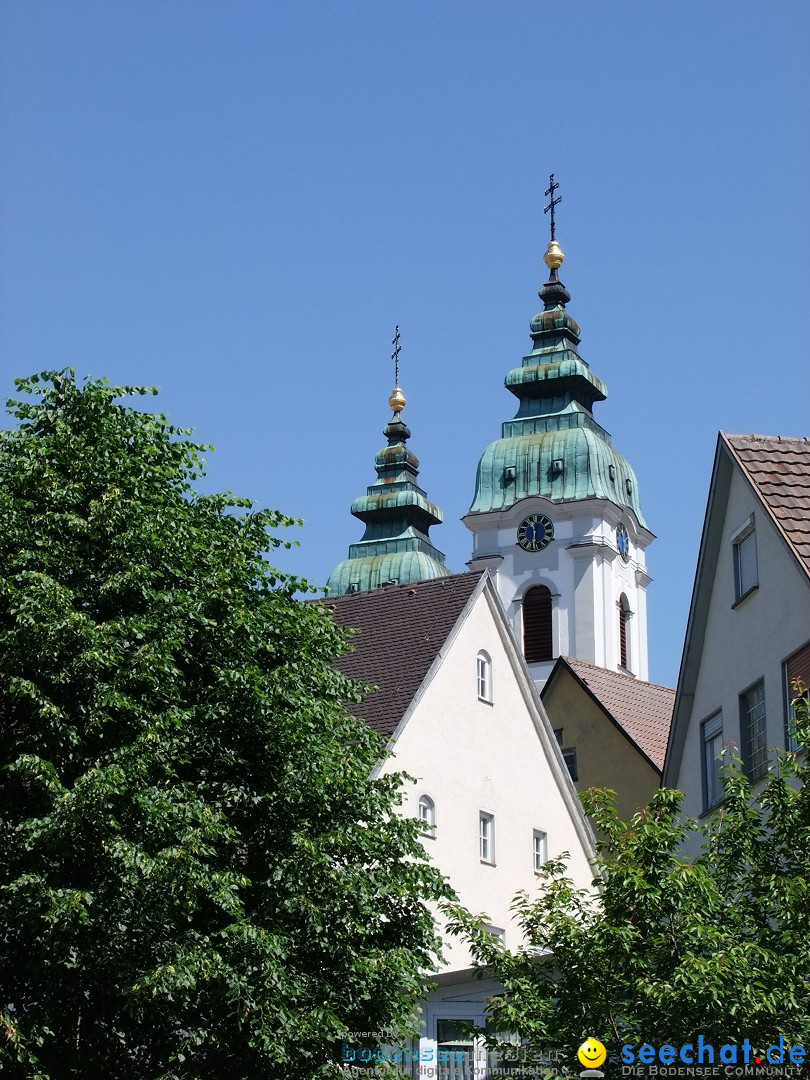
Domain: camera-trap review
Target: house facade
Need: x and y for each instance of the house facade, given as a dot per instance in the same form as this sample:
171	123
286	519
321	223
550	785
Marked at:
612	729
462	716
748	634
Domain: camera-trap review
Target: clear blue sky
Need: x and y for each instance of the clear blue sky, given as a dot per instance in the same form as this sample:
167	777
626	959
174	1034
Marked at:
238	200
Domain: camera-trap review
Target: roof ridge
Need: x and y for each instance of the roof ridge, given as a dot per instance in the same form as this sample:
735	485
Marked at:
767	438
620	674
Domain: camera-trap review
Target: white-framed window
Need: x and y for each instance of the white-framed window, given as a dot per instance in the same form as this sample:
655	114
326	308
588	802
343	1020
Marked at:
486	837
796	669
483	667
427	815
539	850
754	731
712	746
744	548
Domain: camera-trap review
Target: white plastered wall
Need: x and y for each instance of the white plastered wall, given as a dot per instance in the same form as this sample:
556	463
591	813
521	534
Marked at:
746	642
470	756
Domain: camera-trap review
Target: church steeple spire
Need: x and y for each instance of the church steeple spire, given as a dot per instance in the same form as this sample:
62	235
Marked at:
566	453
397	514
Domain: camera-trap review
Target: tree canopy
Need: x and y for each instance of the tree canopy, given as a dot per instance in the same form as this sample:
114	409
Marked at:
665	948
199	878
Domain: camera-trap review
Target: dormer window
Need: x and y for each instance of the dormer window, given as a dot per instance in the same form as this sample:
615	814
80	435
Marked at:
484	676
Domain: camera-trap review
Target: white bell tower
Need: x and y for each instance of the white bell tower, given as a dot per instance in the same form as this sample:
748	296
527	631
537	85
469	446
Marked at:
556	513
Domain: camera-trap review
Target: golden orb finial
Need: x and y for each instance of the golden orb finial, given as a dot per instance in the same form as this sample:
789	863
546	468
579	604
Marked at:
554	255
397	400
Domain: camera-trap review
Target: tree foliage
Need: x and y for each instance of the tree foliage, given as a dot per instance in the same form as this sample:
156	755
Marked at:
198	877
665	948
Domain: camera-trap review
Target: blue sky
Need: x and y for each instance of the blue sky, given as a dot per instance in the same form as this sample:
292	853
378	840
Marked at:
237	201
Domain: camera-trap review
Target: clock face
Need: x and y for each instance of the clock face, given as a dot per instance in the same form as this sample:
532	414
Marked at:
535	532
623	542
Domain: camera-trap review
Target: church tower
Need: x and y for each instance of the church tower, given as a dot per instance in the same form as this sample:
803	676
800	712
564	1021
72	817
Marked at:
396	547
556	514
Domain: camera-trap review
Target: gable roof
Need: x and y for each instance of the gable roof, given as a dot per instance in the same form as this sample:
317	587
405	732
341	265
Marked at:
642	710
401	631
779	469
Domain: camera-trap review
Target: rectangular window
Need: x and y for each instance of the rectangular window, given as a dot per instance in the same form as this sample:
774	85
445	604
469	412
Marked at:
569	754
753	731
712	737
486	837
744	546
796	670
540	853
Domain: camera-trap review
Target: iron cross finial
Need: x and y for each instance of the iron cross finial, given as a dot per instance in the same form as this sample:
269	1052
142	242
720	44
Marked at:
395	355
552	187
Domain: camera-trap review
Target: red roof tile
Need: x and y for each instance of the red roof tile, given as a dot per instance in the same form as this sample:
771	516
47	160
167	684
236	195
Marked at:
642	709
779	468
402	628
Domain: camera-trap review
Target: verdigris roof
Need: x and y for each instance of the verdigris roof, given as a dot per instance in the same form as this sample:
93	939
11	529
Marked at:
779	469
398	515
401	630
553	447
643	710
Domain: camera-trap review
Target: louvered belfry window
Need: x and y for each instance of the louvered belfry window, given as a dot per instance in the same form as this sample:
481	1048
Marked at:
537	641
624	614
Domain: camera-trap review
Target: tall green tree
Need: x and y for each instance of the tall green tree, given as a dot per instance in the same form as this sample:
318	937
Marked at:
662	948
198	878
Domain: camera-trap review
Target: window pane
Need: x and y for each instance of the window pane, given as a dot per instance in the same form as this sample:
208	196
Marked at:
746	563
712	748
752	722
540	849
486	837
797	669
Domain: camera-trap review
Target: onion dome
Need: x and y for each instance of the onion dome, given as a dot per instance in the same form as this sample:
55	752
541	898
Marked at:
553	448
398	515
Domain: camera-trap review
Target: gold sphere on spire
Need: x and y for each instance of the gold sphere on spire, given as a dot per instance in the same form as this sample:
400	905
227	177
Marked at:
397	400
554	256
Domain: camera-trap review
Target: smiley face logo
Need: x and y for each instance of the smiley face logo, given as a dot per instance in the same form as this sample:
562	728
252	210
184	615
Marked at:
592	1053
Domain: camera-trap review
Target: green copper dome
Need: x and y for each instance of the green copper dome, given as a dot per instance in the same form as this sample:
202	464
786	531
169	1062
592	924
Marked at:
397	515
553	448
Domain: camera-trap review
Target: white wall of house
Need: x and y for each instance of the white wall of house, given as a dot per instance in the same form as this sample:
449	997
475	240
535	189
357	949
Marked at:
471	756
746	641
583	570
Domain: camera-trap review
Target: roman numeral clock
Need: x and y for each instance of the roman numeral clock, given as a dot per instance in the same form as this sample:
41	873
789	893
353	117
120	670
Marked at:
535	532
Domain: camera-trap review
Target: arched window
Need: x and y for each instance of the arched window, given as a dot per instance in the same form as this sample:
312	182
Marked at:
427	814
537	642
624	619
483	666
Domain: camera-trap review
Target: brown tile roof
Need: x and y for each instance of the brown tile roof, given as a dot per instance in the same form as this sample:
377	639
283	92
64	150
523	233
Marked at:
402	628
779	468
642	709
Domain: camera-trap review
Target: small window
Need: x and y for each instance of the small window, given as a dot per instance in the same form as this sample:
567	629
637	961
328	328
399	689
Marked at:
744	546
569	754
712	740
624	619
427	815
796	671
537	639
484	676
486	837
540	850
754	732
